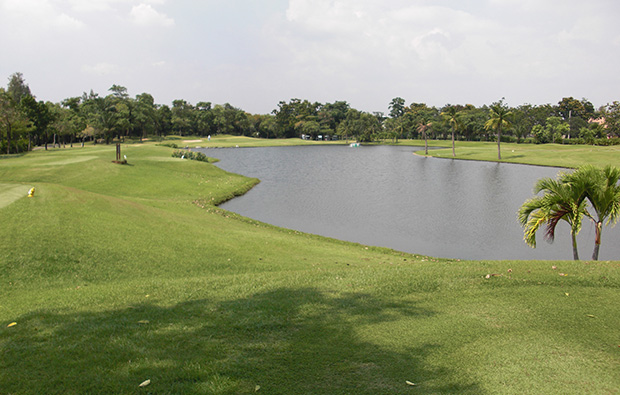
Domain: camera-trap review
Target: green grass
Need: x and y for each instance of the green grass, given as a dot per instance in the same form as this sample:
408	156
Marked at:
556	155
11	192
225	141
115	274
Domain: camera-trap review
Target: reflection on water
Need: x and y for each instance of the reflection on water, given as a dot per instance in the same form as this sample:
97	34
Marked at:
387	196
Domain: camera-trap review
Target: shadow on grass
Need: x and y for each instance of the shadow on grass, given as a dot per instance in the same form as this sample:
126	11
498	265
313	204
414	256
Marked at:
287	341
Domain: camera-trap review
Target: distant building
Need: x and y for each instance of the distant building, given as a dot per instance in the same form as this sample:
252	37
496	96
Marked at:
600	121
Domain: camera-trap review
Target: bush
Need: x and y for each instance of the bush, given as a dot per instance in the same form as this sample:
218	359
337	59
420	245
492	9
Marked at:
574	141
508	139
17	146
199	156
607	142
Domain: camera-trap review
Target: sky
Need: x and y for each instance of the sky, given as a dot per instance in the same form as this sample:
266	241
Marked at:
255	53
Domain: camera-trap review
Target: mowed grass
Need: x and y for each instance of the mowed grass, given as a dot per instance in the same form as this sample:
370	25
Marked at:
117	274
227	141
556	155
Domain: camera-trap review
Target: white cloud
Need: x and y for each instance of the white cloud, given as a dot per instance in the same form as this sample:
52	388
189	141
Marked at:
456	51
145	15
418	37
34	15
101	69
92	5
255	53
65	21
89	6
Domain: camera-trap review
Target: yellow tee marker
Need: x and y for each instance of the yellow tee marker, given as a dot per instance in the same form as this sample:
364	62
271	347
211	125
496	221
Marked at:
31	192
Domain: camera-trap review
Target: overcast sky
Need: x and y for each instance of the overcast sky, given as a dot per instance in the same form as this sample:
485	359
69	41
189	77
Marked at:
253	54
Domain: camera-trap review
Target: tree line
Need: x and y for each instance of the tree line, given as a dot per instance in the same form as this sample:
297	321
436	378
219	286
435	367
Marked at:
25	122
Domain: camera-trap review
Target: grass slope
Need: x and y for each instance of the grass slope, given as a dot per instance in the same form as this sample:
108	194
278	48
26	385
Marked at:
115	274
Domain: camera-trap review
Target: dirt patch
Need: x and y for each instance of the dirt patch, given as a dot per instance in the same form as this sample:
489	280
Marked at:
192	141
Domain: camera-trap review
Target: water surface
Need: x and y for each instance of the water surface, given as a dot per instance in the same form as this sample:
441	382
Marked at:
387	196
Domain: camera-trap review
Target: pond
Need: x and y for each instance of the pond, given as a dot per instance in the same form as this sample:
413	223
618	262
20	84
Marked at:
387	196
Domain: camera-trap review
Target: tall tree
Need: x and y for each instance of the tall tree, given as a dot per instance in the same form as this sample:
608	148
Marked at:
100	114
120	92
500	118
265	125
182	117
394	128
611	112
288	115
144	114
64	123
39	114
575	112
75	118
17	88
423	127
331	114
163	120
397	107
10	117
204	118
123	109
421	114
451	115
553	130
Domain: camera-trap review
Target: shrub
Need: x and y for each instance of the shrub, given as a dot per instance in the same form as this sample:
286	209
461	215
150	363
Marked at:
574	141
17	146
607	142
508	139
199	156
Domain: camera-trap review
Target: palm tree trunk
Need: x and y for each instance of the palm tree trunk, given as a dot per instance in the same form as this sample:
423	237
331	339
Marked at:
499	137
575	251
597	240
425	144
453	151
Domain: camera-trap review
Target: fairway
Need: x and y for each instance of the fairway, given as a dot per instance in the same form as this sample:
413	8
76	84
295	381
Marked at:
113	276
11	192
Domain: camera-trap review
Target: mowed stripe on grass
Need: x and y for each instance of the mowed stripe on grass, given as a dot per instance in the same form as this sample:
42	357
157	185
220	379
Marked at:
11	192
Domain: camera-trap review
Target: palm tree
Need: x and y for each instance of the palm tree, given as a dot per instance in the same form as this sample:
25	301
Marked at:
500	117
561	200
422	128
603	193
451	116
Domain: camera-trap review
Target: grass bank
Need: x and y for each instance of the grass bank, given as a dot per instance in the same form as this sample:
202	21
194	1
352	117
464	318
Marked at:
227	141
113	275
556	155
